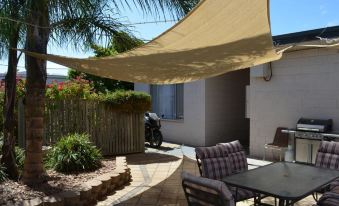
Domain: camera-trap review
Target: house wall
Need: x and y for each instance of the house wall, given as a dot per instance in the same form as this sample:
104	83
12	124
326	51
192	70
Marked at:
225	108
304	84
191	129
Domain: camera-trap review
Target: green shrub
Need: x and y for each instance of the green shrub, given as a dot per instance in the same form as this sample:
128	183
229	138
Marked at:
19	158
19	154
127	100
2	95
3	175
74	153
1	141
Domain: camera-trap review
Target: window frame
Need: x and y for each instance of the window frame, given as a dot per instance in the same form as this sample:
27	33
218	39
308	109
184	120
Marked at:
177	115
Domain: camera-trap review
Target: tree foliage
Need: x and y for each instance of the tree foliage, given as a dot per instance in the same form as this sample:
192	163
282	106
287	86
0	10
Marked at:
80	23
11	35
121	43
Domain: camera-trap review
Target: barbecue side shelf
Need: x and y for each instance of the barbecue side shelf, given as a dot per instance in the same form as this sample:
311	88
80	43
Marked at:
305	146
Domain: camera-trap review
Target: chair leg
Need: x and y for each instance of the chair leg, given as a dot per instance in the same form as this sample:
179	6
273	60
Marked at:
315	196
236	196
259	199
265	153
280	155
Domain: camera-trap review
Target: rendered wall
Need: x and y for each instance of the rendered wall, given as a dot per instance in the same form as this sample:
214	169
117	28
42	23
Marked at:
304	84
225	108
190	130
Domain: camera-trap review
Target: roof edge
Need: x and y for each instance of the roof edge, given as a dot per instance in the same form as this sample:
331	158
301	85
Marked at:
305	36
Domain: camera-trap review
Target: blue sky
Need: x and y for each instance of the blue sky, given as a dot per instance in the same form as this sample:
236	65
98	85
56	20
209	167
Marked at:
287	16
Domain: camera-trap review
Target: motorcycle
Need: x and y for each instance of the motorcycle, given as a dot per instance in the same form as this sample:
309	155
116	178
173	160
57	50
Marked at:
152	130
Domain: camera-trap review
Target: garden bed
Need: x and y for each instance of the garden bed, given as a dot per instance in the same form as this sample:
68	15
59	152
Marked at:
11	192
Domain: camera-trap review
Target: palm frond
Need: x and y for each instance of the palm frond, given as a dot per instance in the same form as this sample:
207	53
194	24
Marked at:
12	10
176	8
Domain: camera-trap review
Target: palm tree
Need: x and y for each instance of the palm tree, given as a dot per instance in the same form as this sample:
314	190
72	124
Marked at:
10	36
78	21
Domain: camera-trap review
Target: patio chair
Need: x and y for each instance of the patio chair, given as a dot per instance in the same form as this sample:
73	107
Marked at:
280	142
328	155
216	162
213	162
237	156
201	191
329	199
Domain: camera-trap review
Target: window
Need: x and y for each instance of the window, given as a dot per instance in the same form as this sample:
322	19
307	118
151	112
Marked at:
168	101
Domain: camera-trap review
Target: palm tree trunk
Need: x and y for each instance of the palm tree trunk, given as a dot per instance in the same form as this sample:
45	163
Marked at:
8	155
36	41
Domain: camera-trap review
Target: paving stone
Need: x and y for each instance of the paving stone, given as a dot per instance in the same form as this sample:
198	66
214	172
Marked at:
166	201
70	197
106	184
87	194
157	181
33	202
96	188
148	200
182	203
54	200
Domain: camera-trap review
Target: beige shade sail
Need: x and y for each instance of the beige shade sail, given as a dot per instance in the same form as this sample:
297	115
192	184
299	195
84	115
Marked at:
218	36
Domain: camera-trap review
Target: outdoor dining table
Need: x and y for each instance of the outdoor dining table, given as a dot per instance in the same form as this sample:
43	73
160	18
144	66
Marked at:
288	182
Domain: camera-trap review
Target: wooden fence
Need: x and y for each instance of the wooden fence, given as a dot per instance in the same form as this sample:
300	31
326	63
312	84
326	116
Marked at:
112	131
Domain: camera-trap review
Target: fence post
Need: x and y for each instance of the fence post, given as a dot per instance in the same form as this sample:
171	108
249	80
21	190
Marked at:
21	124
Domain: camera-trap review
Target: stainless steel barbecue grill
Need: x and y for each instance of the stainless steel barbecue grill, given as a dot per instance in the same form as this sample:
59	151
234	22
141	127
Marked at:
308	135
314	125
316	129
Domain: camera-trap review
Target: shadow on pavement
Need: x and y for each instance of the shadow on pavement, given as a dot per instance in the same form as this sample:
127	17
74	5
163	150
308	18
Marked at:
150	158
166	192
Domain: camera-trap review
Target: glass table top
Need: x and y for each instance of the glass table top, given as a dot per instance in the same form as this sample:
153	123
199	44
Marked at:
283	180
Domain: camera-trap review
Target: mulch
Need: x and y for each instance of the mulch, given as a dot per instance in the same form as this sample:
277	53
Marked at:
12	192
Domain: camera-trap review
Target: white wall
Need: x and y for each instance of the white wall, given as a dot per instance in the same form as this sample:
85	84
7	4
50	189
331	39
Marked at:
225	108
304	84
190	130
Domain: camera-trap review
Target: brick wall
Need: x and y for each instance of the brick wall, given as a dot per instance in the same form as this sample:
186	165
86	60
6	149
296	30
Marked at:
304	84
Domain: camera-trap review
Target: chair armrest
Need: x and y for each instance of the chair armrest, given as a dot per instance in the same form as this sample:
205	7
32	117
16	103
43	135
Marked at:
335	183
328	195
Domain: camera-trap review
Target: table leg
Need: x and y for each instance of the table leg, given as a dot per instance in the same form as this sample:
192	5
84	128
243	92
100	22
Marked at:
281	202
285	202
289	203
257	199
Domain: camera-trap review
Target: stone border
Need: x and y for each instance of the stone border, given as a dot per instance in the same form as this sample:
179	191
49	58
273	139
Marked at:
92	190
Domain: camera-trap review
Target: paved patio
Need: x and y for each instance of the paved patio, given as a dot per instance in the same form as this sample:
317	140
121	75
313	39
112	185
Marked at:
156	178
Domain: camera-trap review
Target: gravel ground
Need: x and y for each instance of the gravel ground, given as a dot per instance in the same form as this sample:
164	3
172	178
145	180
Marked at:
11	192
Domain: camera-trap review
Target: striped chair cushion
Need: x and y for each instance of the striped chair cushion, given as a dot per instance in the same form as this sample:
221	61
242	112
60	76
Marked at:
329	199
216	168
232	147
200	187
238	162
328	155
211	152
237	156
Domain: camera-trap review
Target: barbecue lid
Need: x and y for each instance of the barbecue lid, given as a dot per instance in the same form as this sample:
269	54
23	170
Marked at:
323	122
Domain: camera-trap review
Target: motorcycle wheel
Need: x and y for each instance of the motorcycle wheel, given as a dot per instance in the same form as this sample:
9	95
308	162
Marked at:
157	139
